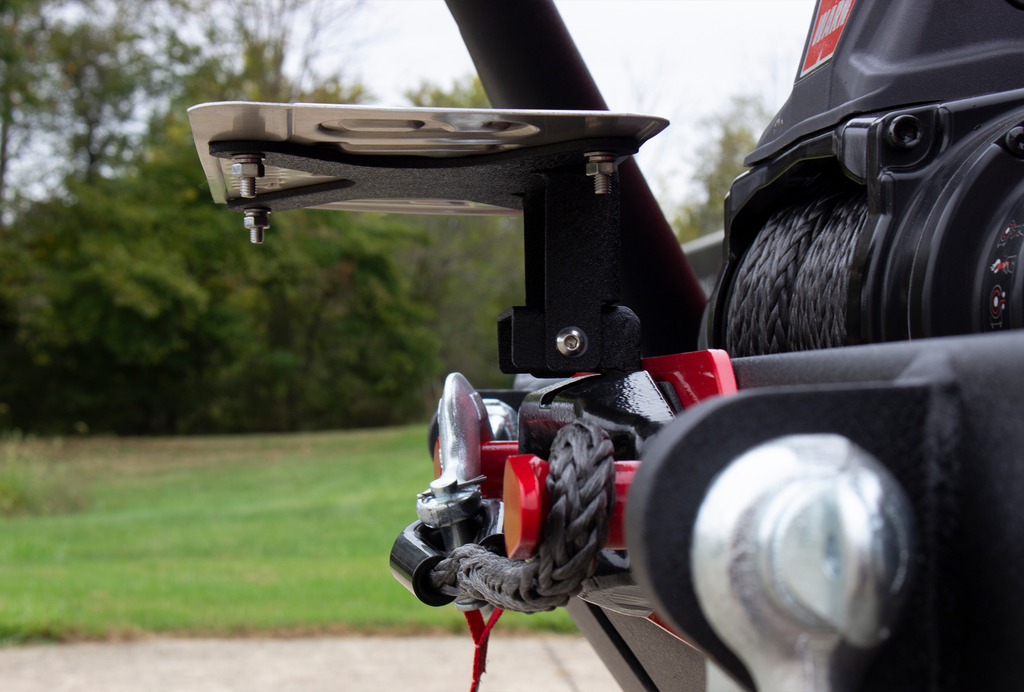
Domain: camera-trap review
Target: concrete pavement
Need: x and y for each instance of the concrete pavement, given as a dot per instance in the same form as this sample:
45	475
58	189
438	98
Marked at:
349	664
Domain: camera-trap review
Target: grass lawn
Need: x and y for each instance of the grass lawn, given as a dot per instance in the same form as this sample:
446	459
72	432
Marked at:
228	535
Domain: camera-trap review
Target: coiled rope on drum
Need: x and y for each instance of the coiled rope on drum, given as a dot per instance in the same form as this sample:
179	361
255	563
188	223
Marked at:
790	290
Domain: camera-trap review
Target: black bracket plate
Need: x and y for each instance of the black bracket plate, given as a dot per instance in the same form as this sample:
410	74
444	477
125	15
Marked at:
571	234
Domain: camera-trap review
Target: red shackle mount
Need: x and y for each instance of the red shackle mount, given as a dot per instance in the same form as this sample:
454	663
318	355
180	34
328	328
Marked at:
526	504
492	465
689	378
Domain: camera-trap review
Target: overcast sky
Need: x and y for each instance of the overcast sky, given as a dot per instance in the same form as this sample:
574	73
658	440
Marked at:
680	59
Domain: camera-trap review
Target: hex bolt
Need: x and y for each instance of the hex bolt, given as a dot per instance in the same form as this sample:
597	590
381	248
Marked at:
904	132
571	341
1015	141
257	221
247	167
601	167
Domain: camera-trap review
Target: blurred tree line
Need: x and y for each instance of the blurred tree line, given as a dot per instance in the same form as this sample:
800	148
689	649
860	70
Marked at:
730	136
131	303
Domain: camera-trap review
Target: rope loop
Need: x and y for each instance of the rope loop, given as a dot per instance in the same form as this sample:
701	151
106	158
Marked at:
581	491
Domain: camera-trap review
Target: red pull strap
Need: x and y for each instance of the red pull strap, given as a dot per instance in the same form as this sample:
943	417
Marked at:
480	633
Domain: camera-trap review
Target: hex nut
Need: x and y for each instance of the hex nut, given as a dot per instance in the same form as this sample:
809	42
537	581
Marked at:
601	168
256	218
248	170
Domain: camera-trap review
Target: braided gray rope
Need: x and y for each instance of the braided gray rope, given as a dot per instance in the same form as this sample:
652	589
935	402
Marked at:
581	490
790	290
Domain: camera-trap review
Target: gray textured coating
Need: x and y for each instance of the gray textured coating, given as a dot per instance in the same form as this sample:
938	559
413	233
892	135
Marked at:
416	132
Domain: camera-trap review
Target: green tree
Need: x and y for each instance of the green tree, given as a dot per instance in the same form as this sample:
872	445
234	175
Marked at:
466	269
104	75
22	43
730	137
80	80
467	92
142	308
248	46
132	303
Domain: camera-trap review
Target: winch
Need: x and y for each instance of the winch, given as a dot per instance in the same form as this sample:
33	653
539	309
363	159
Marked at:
771	509
885	198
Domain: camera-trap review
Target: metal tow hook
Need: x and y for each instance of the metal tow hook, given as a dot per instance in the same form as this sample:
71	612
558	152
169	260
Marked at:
801	559
453	500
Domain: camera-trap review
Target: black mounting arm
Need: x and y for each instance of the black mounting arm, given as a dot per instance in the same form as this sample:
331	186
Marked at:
526	59
571	322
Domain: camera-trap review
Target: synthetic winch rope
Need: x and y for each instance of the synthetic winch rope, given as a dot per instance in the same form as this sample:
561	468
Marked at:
790	290
581	490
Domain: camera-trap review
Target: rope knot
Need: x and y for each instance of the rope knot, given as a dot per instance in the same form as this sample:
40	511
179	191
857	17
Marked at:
581	491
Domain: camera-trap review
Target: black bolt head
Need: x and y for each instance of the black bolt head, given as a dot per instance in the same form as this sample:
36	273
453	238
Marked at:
904	132
1015	141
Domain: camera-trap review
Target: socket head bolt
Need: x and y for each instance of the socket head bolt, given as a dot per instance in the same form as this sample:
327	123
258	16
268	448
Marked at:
1014	141
571	341
802	550
904	133
247	167
601	167
257	221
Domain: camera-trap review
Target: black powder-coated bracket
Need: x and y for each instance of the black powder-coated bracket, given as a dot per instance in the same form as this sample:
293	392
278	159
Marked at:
571	235
569	283
942	415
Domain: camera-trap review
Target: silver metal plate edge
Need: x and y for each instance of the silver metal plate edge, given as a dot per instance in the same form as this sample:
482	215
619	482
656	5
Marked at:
375	130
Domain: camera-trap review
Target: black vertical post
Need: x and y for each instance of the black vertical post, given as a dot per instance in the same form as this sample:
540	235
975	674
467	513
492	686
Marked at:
572	269
533	248
526	59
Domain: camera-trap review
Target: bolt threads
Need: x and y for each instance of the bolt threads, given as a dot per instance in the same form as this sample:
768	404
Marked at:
257	221
246	168
601	167
247	187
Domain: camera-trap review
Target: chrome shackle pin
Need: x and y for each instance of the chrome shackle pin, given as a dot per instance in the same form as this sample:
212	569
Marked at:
801	560
453	499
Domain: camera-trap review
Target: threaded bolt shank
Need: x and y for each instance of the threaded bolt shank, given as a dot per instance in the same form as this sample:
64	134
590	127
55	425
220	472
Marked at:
247	187
247	167
601	167
257	221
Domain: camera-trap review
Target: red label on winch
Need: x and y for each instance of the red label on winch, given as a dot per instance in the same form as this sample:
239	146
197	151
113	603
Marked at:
828	27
